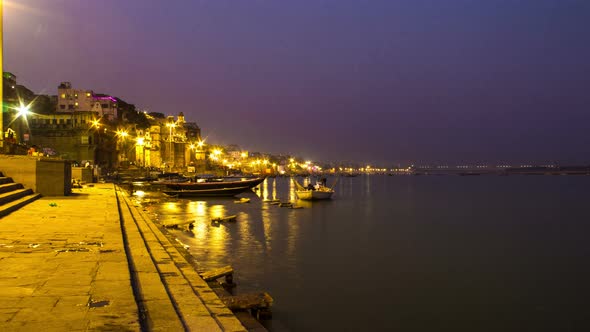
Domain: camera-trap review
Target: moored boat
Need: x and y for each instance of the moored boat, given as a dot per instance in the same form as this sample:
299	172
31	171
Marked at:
184	186
317	192
215	192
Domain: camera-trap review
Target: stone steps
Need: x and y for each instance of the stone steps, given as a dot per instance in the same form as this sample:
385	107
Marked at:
8	187
13	195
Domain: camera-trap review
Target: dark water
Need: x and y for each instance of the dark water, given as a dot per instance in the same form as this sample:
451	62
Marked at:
408	253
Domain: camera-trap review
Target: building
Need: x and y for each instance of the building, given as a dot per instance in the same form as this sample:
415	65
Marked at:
81	125
170	143
73	136
80	100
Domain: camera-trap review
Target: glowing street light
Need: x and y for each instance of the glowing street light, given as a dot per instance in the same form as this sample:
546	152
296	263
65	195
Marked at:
22	110
122	133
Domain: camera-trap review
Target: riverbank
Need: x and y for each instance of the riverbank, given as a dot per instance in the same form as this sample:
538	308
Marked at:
94	261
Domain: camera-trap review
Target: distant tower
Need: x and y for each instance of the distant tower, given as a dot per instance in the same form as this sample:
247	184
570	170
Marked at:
180	119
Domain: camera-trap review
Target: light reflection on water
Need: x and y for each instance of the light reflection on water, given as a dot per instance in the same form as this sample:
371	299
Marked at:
408	246
261	230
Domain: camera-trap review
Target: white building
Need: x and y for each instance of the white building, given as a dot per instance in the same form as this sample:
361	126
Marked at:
74	100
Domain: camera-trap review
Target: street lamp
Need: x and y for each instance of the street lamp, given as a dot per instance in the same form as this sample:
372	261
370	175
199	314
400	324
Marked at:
1	81
22	110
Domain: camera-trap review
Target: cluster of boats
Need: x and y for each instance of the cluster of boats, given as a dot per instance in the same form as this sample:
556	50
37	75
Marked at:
318	191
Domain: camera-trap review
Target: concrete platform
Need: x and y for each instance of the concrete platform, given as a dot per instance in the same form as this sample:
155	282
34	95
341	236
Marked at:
94	262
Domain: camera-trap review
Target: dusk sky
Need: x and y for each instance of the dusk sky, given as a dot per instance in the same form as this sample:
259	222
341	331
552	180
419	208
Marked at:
376	81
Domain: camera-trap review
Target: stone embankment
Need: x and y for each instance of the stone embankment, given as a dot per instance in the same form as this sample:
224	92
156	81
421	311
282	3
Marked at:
94	262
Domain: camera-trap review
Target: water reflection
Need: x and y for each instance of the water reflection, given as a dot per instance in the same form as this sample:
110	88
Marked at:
292	234
199	208
264	190
217	211
200	231
139	193
266	226
274	188
292	195
171	207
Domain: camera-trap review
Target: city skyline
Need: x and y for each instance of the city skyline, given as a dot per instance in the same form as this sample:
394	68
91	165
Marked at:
330	80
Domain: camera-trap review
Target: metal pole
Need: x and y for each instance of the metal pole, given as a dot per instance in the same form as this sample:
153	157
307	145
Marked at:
2	81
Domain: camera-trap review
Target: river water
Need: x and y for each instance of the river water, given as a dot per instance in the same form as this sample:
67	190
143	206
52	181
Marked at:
405	253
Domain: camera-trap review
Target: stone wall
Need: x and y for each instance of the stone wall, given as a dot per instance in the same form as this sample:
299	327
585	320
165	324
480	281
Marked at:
83	174
49	177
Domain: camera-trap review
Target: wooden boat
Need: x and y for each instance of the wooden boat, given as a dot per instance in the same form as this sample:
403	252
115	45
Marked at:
213	185
318	192
225	219
219	192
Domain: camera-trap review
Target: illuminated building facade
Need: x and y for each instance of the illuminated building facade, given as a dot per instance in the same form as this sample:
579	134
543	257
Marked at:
80	100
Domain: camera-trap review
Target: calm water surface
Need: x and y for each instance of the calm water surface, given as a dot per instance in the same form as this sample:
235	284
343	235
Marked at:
406	253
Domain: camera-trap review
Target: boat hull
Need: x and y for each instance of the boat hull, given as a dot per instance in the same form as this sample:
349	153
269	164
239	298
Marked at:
184	186
311	195
220	192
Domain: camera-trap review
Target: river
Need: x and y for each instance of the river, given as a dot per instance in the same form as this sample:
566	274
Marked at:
405	253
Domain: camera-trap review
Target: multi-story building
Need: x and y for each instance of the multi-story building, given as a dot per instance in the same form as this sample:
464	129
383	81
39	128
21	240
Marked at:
80	100
169	143
81	125
74	136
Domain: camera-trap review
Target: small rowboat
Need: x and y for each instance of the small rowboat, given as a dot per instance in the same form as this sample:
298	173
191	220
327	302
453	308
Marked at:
224	219
318	192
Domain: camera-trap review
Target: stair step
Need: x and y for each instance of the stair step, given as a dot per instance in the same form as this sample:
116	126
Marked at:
7	187
14	195
4	179
16	204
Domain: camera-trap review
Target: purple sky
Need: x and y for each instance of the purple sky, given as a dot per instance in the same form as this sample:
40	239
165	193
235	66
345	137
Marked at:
377	81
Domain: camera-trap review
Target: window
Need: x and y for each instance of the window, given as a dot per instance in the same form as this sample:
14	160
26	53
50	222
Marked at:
63	96
87	94
61	121
70	107
104	105
63	107
84	139
76	103
54	121
76	95
69	121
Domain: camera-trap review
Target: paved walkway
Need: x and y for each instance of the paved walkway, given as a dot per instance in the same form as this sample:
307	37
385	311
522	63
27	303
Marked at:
94	262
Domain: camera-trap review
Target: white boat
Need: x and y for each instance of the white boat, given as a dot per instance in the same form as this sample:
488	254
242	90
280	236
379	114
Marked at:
317	192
